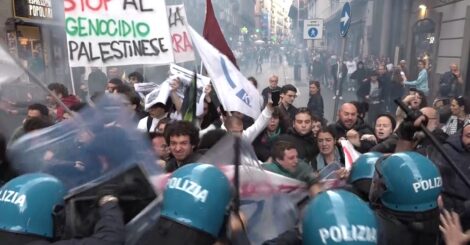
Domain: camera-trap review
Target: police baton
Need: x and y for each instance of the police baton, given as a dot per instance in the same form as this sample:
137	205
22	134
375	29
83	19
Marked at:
434	141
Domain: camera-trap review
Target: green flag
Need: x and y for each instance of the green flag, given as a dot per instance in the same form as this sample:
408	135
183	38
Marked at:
190	97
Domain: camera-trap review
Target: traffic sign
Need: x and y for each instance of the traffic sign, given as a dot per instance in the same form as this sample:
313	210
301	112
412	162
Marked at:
345	20
313	29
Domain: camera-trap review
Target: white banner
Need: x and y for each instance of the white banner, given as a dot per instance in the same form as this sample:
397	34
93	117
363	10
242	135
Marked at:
119	32
234	91
182	46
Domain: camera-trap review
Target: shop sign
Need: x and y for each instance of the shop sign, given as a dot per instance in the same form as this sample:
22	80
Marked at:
33	9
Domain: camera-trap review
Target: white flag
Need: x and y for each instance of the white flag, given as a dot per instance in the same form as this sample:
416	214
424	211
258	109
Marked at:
235	92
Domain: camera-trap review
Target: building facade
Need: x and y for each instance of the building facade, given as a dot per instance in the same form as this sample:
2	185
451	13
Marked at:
34	33
439	32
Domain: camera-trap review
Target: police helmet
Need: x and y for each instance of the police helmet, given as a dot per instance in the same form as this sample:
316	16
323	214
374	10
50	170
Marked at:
407	182
27	204
364	167
198	196
338	217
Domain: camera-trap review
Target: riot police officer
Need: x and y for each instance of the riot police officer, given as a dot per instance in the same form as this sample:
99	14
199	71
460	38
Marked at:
31	212
338	217
404	193
195	208
362	172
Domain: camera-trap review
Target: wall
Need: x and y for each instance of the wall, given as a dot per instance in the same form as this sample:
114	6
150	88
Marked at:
6	11
451	36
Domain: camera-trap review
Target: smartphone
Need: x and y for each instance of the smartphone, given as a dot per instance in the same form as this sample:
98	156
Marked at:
275	96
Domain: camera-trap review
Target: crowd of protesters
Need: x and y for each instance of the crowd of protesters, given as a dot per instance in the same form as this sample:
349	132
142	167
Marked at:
297	142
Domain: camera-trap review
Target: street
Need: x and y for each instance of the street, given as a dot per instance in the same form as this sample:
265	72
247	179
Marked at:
286	76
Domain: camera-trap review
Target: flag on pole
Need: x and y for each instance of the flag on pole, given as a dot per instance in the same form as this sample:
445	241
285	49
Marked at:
189	101
213	34
234	91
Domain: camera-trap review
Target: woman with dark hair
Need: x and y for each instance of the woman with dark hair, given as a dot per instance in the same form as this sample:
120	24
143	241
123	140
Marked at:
360	75
315	102
264	142
330	151
386	139
460	112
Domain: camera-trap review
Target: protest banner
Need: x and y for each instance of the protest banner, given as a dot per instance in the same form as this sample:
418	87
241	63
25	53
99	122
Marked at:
119	32
182	46
182	72
350	154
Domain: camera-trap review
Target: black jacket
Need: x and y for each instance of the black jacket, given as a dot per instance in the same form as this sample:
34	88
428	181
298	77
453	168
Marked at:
315	105
454	192
386	146
288	115
306	145
171	165
407	228
108	231
340	131
364	90
359	74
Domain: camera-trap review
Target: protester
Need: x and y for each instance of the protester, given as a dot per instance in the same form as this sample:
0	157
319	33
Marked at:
302	136
460	112
455	194
421	83
330	152
63	94
34	110
263	143
157	112
235	125
339	72
160	148
317	124
372	92
112	85
450	82
182	138
385	125
349	126
315	101
273	86
286	104
397	89
135	77
359	76
286	162
415	100
97	81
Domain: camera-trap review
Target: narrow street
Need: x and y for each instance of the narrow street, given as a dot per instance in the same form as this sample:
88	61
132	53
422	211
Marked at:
286	76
